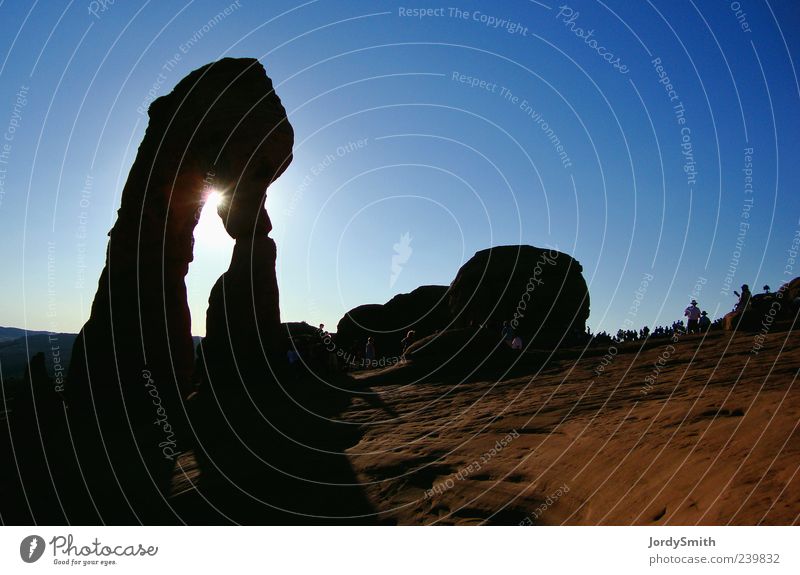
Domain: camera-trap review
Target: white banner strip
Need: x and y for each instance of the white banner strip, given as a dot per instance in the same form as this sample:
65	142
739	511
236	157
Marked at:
371	550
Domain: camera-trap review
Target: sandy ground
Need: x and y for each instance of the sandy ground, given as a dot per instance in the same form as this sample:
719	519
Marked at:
712	440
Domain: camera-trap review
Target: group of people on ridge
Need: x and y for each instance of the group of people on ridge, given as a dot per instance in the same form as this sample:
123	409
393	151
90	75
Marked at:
697	322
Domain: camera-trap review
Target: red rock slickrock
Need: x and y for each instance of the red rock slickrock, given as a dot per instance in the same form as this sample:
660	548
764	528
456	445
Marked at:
707	436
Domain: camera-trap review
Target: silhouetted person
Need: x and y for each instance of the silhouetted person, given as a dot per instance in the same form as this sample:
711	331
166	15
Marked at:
369	351
408	340
507	333
744	298
516	343
704	322
693	314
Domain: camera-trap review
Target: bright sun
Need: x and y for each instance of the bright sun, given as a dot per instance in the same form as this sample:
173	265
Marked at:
212	255
212	201
209	229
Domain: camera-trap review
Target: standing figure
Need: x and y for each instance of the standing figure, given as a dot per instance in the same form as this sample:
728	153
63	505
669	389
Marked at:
408	340
704	322
693	313
744	298
369	351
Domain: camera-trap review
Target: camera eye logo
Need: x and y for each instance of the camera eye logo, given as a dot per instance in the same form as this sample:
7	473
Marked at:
31	549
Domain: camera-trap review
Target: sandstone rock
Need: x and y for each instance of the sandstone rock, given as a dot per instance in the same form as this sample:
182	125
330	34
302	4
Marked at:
299	329
243	326
541	292
224	127
422	310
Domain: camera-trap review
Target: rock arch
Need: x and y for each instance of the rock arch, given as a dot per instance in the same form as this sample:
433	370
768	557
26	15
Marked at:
132	363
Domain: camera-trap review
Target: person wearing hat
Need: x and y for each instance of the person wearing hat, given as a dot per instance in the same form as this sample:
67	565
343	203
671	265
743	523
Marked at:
693	313
704	322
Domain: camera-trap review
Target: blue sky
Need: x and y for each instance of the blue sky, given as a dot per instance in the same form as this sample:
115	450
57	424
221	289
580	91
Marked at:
393	139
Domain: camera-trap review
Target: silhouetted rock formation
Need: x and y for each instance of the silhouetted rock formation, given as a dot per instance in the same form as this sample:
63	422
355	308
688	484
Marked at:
299	329
263	434
541	292
243	323
222	127
422	310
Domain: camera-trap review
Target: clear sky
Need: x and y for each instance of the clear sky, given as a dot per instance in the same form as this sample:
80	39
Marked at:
648	139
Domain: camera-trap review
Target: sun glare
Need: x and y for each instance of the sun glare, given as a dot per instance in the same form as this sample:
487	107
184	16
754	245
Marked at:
209	229
212	255
212	201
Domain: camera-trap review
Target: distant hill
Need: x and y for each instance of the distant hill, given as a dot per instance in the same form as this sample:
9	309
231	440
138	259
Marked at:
17	345
12	333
